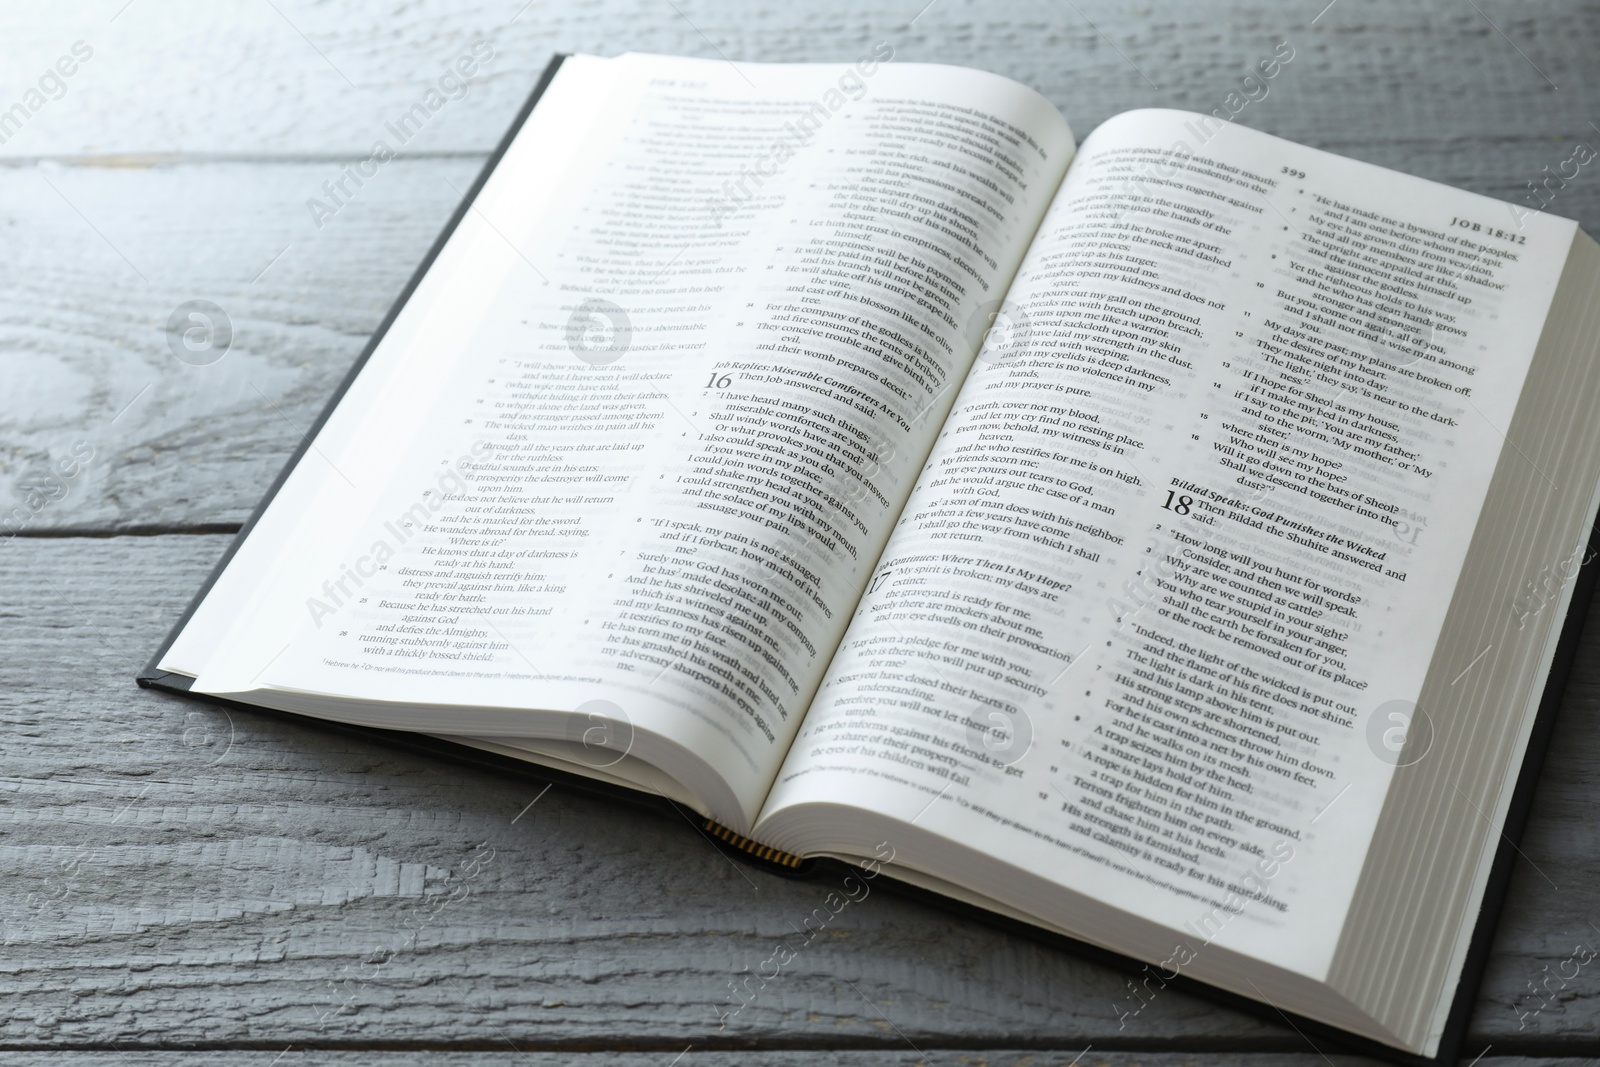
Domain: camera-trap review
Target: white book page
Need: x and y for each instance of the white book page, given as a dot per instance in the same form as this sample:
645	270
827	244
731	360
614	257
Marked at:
1182	551
665	442
399	379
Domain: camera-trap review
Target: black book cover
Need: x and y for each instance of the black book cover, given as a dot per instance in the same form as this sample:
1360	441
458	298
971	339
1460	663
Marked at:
1450	1048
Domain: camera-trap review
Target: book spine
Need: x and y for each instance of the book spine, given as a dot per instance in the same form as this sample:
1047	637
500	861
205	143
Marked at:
754	848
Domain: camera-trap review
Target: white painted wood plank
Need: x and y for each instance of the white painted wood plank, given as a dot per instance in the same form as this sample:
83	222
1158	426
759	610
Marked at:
299	77
698	1056
85	302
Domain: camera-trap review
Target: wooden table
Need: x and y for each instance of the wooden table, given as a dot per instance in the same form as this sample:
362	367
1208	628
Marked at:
177	881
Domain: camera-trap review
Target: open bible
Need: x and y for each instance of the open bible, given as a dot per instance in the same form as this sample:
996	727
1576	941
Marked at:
1164	541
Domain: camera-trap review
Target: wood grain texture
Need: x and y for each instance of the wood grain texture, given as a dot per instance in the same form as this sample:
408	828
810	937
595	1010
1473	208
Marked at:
295	1056
116	209
304	78
172	876
111	252
180	876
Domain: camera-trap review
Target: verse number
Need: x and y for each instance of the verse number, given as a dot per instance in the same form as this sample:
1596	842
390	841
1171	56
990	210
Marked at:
1291	172
1178	505
719	381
